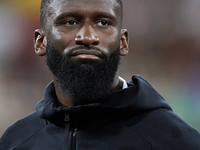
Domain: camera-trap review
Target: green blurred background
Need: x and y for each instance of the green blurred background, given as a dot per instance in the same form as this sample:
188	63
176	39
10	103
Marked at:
164	49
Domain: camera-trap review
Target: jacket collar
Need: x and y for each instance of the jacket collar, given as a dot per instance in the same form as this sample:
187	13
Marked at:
139	97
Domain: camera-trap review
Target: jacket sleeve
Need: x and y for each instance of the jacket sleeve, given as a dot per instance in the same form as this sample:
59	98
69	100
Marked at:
21	131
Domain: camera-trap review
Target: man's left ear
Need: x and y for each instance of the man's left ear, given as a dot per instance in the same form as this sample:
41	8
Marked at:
124	42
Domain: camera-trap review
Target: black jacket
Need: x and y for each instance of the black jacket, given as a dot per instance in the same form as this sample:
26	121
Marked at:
136	118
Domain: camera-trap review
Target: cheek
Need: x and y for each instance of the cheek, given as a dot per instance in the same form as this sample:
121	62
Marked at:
60	39
111	41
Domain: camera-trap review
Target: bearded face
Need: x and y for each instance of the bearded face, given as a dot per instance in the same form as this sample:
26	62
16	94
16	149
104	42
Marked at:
83	81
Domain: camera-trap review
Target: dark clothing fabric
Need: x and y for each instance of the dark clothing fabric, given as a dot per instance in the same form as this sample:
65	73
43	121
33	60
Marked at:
135	118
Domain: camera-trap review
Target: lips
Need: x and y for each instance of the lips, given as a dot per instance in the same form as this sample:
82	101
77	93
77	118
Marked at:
87	54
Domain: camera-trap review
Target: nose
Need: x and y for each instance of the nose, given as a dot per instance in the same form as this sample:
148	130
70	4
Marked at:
87	36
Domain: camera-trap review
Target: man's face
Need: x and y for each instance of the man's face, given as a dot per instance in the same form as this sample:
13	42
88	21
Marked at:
84	43
90	23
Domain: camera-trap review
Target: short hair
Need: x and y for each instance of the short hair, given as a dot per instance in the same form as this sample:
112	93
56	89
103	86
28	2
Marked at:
45	4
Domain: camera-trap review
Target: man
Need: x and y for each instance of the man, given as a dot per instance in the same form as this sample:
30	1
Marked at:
88	106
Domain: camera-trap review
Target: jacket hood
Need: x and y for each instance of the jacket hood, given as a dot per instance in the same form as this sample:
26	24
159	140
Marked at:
139	97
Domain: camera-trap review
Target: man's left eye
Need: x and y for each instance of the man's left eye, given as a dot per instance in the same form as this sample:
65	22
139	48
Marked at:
103	23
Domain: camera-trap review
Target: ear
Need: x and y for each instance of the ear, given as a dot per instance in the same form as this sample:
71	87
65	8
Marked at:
124	42
40	42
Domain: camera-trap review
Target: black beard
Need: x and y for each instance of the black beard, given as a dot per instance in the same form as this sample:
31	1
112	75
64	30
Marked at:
84	83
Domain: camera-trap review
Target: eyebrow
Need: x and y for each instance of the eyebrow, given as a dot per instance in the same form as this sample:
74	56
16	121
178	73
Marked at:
74	14
67	14
105	15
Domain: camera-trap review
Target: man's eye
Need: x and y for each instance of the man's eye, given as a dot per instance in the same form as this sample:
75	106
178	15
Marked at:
103	23
71	22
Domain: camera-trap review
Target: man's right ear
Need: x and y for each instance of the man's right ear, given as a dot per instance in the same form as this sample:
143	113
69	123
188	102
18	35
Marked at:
40	42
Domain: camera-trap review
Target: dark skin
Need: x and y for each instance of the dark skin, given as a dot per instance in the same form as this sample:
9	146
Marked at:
71	23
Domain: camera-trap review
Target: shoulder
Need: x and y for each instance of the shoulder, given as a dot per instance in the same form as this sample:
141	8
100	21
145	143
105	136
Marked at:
167	129
21	131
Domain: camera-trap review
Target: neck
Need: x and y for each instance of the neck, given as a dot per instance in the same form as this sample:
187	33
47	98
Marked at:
65	101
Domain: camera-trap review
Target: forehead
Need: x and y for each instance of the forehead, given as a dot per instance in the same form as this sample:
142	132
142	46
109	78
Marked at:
58	7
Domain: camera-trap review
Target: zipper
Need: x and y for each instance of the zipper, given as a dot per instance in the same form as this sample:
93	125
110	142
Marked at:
73	144
71	133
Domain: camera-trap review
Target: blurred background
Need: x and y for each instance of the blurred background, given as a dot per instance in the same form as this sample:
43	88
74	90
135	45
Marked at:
164	48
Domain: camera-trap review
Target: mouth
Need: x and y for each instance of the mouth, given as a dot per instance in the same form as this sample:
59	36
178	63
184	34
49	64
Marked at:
87	54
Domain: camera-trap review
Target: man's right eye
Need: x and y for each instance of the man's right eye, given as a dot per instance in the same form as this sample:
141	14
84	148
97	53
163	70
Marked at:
71	22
